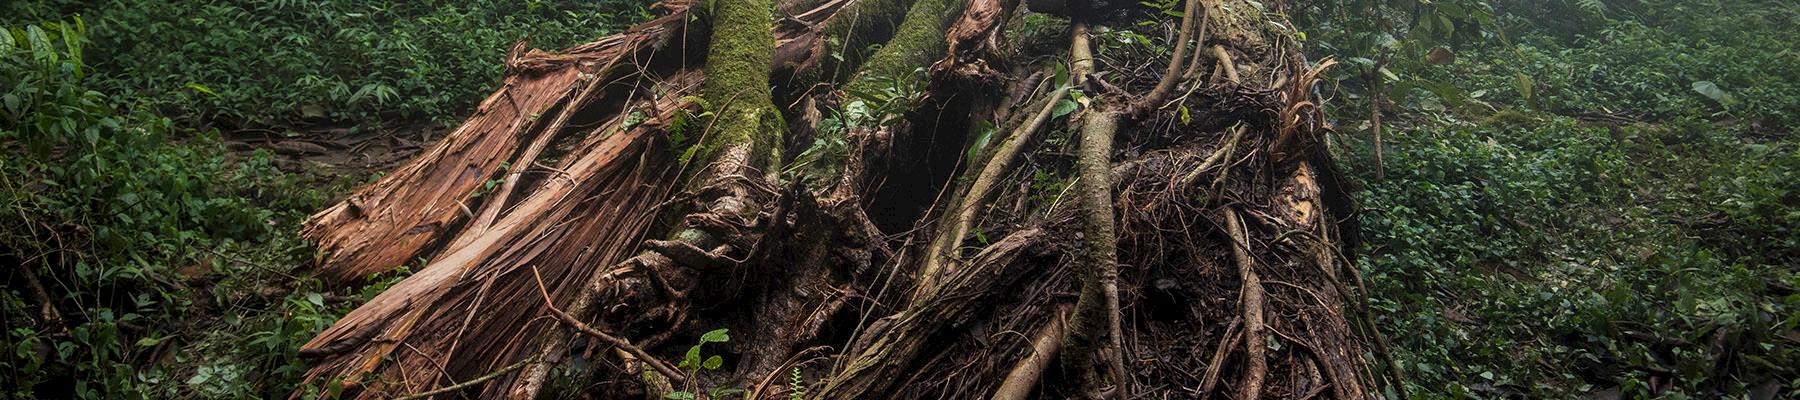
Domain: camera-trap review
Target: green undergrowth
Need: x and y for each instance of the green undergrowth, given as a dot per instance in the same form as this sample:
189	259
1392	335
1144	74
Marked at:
1609	211
172	267
168	265
255	63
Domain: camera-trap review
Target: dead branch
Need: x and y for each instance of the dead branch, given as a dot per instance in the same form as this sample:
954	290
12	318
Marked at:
621	343
465	385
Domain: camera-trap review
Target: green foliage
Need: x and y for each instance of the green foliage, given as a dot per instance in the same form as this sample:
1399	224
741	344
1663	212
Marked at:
1513	250
283	62
796	386
874	102
126	221
1535	261
693	364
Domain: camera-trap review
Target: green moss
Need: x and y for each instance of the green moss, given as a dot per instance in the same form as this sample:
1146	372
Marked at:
850	34
918	42
737	83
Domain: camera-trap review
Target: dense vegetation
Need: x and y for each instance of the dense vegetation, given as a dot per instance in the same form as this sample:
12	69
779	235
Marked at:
1610	208
173	262
1573	197
279	63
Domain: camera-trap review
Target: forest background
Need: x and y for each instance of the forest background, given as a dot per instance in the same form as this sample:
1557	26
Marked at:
1565	199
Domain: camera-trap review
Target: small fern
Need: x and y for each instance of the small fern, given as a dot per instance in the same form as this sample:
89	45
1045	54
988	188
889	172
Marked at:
796	386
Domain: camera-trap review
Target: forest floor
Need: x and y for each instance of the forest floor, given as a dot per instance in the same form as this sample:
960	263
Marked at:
1579	207
1577	211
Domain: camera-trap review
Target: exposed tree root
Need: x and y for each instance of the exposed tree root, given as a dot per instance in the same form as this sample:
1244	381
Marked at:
622	344
1025	375
893	346
964	208
1251	298
1197	242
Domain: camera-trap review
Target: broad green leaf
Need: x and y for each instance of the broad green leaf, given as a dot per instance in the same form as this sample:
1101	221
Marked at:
713	362
984	133
692	358
1713	91
40	45
202	89
1062	75
716	336
1063	107
1391	76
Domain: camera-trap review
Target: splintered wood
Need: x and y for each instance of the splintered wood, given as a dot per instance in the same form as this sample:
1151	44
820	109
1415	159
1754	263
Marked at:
385	224
1218	234
401	216
474	308
463	315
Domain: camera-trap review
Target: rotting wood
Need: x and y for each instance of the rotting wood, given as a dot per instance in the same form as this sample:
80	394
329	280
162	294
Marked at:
390	222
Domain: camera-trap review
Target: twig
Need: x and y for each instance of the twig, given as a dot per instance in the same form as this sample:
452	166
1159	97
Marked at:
603	336
465	385
1218	358
1375	121
1224	151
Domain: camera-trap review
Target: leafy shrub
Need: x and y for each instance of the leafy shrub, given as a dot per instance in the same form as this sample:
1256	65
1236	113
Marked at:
1513	250
116	220
1533	260
283	62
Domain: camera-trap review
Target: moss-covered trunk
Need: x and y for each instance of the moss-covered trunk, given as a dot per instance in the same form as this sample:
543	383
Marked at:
1183	231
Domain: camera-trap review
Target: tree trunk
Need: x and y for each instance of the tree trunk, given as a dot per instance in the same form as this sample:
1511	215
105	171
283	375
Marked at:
704	171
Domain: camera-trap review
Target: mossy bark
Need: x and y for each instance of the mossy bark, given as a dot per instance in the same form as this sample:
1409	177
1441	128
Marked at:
737	84
917	43
812	289
851	32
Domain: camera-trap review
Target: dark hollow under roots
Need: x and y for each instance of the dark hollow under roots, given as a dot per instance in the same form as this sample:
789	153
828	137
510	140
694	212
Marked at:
694	174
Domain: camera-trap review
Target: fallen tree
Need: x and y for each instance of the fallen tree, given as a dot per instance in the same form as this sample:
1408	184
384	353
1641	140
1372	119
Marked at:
1161	224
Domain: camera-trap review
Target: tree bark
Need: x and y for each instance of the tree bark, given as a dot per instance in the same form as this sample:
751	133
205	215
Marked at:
676	212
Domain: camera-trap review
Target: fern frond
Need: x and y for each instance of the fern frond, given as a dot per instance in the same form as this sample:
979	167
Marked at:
1595	7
